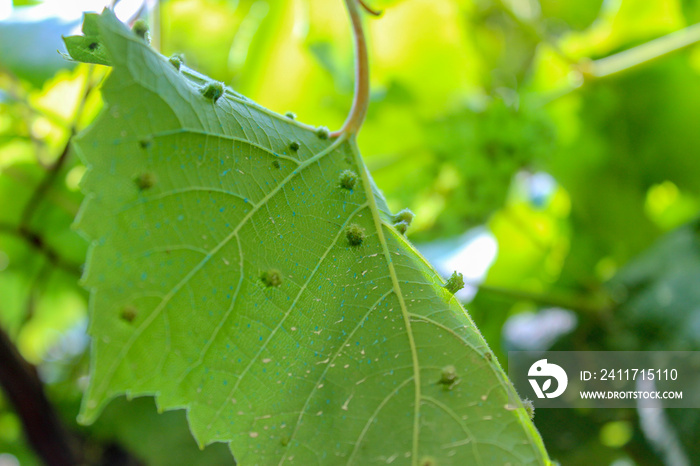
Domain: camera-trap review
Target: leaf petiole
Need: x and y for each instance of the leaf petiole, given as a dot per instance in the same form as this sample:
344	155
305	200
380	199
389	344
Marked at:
360	102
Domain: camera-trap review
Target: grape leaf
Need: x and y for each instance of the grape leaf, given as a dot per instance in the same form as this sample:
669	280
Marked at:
88	48
233	275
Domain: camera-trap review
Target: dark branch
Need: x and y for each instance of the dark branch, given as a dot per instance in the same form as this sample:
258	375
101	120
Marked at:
50	440
52	173
37	242
44	185
41	424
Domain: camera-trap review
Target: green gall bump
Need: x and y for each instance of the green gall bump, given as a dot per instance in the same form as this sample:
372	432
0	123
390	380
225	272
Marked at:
145	181
140	28
404	216
93	45
488	356
284	440
348	179
276	164
448	378
213	90
428	461
401	227
455	283
291	115
294	146
322	132
128	314
145	143
176	61
529	407
355	234
271	278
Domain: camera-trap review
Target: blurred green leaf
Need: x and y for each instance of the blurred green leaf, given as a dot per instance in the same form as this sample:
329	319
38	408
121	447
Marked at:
576	15
157	439
660	294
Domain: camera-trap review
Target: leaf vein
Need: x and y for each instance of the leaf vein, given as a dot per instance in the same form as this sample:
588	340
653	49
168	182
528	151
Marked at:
137	332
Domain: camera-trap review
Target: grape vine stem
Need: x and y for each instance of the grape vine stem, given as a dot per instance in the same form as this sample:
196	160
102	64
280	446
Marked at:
360	101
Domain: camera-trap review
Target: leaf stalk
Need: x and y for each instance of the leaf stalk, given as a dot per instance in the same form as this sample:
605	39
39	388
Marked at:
360	102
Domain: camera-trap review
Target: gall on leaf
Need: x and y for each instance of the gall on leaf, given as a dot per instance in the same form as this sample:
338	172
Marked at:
347	179
145	181
128	314
176	61
404	216
271	278
322	132
455	282
294	146
401	227
140	28
448	377
212	90
291	115
355	234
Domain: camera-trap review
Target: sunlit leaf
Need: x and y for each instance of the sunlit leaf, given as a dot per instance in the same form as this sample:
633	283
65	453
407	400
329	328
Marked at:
88	48
233	276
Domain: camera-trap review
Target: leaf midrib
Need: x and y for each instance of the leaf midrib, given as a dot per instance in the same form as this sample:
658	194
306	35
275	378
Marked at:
379	224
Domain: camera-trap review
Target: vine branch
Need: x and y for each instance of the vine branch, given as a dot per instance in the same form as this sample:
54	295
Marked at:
48	436
24	229
38	242
644	53
53	171
49	439
583	305
360	101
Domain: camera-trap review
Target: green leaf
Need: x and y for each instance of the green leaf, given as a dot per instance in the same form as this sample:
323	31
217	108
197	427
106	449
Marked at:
234	277
577	15
88	48
661	294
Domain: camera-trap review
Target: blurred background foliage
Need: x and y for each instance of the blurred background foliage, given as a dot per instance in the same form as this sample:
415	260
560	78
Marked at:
548	147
